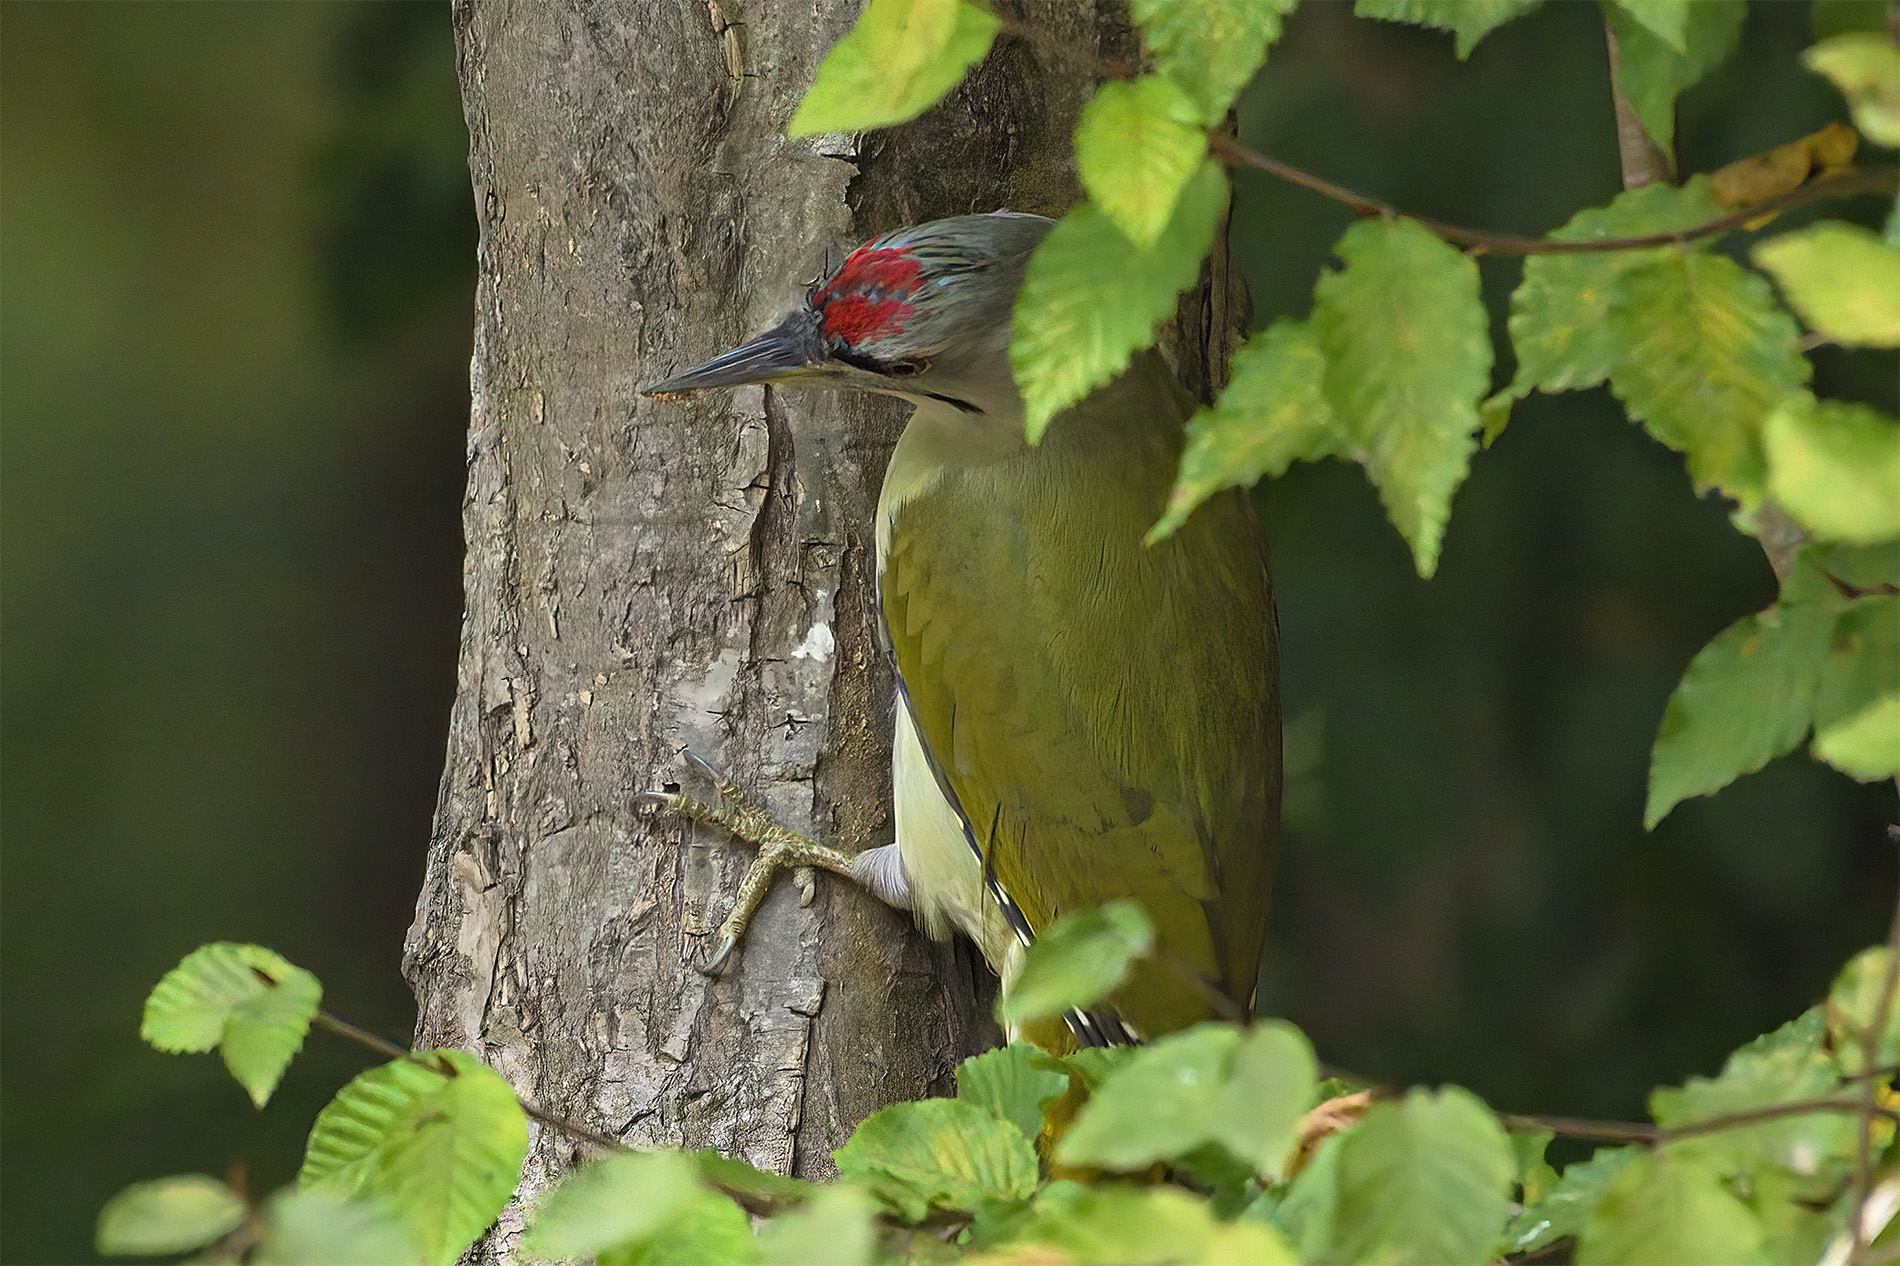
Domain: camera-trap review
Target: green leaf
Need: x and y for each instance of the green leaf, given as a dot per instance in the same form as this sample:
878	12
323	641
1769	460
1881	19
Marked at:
1866	745
1747	698
1650	74
1865	66
710	1231
1665	1209
618	1200
168	1215
899	60
1162	1104
1014	1083
1842	279
1136	147
1426	1179
1835	467
1831	17
1863	566
941	1152
1078	960
1535	1177
1563	1210
1115	1225
1851	1006
1780	1067
1408	356
1667	20
1091	298
439	1138
242	999
1560	312
1210	48
834	1228
1710	354
1303	1210
1270	1086
314	1226
1469	20
1272	414
1096	1064
748	1182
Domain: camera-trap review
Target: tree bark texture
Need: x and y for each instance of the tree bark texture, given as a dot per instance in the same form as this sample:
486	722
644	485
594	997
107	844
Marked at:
645	577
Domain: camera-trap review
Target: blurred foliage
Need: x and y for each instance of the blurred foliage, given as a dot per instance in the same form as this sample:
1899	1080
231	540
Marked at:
237	246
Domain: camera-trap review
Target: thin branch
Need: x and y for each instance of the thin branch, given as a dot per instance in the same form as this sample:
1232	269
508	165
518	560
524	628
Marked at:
1579	1128
1840	184
1642	159
1655	1135
343	1028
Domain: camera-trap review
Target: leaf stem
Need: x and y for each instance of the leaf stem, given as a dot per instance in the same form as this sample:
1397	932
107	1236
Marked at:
1840	184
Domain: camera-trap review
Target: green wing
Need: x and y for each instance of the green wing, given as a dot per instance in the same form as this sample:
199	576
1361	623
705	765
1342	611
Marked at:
1106	713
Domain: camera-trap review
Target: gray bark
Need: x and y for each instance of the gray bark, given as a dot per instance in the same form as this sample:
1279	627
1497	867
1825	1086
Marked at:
644	577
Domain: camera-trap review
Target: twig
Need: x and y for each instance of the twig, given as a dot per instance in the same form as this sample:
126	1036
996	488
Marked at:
1642	160
343	1028
1656	1135
1578	1128
1839	184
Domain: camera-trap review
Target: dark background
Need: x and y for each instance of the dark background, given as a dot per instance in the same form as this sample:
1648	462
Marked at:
236	253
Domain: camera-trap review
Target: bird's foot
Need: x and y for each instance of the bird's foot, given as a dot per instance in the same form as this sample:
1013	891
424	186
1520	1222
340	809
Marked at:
745	819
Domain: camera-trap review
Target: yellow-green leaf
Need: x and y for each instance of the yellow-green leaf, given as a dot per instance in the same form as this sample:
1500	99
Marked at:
1408	356
1469	20
1865	745
314	1226
1078	960
898	61
1667	20
168	1215
1091	298
1843	280
1136	146
1710	354
1272	414
250	1004
836	1227
1211	48
1836	468
938	1152
1747	698
1668	1210
1651	75
439	1138
1865	66
1015	1083
1853	1003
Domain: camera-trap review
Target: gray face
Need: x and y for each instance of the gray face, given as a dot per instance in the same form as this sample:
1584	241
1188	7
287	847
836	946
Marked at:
922	312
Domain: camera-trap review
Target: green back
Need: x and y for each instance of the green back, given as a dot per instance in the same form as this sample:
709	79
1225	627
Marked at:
1106	713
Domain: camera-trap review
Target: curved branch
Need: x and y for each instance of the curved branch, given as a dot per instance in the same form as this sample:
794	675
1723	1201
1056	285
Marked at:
1840	184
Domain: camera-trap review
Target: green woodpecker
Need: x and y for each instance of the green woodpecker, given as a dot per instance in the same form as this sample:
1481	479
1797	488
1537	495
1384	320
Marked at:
1080	717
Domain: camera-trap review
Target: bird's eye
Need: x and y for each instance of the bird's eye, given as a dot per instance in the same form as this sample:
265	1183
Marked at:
906	368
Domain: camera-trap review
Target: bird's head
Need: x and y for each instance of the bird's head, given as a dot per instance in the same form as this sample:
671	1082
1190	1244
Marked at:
922	313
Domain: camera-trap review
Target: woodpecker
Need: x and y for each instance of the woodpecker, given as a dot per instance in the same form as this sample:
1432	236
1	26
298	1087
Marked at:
1079	717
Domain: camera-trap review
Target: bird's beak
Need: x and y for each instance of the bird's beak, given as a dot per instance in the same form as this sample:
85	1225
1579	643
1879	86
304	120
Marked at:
791	349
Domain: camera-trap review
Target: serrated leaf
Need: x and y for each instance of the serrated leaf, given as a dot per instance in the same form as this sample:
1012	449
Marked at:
1136	147
1078	960
938	1152
1747	698
249	1003
1469	20
1780	1067
1091	298
1408	357
1272	414
1852	1003
1560	312
1163	1103
1269	1087
1665	1209
898	61
1842	279
168	1215
1014	1083
1835	467
439	1138
314	1226
1563	1210
1866	745
1115	1225
1710	354
1651	75
1865	66
835	1227
1667	20
1423	1180
1210	48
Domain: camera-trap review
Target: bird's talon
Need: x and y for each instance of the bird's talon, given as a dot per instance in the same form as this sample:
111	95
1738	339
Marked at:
807	883
716	965
659	801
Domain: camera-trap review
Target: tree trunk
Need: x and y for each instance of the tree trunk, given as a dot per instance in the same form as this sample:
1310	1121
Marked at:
646	577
